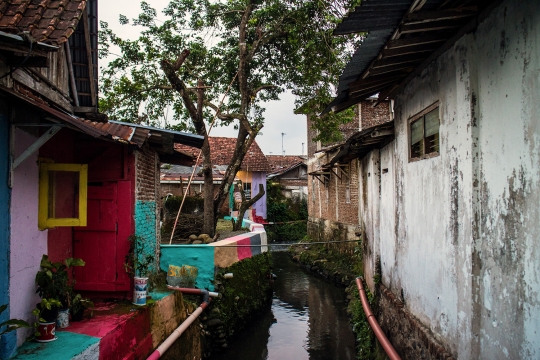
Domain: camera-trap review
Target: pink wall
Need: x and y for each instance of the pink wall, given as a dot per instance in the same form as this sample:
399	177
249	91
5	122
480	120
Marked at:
28	244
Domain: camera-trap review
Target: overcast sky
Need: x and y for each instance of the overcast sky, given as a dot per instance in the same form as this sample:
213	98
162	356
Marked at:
279	114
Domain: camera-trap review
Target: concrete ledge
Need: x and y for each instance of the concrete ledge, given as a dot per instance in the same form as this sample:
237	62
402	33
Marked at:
220	254
116	331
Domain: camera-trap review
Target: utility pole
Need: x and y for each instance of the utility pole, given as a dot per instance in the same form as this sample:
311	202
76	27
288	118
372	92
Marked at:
282	150
302	149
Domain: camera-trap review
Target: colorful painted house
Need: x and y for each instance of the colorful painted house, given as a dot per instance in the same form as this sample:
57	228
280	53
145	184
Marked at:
253	171
72	184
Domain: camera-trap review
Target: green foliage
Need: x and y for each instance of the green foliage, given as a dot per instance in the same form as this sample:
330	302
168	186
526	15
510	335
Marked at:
137	261
11	324
79	304
282	209
191	204
289	46
53	280
365	338
245	295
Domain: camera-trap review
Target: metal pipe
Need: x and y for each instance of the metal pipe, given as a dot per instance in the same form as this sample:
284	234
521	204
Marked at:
183	326
193	291
383	340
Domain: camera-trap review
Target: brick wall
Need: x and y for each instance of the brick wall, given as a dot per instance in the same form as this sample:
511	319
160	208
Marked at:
147	199
411	339
372	116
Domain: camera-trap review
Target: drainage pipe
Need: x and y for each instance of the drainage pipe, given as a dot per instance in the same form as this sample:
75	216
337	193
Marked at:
192	291
383	340
183	326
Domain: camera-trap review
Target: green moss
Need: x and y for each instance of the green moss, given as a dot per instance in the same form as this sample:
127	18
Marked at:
365	338
244	296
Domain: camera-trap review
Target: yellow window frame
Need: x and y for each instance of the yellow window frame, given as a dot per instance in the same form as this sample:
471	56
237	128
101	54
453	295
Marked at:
44	221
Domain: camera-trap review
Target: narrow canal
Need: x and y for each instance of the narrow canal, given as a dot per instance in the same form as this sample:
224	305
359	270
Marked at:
307	320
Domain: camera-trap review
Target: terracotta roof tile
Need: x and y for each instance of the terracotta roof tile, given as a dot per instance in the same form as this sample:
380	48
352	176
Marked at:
42	18
278	162
222	150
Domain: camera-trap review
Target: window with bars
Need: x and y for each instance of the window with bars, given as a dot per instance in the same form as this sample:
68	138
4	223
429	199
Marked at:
247	190
424	133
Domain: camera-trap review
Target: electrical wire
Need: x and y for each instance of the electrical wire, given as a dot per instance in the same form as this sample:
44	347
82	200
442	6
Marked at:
21	64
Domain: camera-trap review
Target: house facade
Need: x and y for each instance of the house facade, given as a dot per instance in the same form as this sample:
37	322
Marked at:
252	172
452	211
335	171
70	186
290	171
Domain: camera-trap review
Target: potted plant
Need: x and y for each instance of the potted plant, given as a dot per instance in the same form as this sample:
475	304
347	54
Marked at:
11	324
139	264
46	312
78	305
55	289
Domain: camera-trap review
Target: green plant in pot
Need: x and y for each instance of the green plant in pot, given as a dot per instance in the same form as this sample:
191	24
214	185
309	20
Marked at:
11	324
139	264
78	305
54	286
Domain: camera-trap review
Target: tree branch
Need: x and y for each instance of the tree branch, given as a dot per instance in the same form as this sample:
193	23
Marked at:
178	85
181	59
260	88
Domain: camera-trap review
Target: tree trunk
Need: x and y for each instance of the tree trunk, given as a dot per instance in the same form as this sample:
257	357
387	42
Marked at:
245	205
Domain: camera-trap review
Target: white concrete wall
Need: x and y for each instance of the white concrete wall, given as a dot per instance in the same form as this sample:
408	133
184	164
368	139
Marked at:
459	232
369	198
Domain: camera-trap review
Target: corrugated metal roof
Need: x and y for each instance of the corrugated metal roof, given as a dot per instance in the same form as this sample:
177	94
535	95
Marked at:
402	34
179	137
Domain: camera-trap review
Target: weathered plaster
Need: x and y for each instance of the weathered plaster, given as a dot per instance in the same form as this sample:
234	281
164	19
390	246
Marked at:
28	244
459	231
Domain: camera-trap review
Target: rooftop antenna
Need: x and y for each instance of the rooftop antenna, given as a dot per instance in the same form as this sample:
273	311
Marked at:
302	149
282	150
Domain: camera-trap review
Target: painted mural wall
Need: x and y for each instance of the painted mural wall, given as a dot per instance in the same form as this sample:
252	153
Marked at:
28	244
459	231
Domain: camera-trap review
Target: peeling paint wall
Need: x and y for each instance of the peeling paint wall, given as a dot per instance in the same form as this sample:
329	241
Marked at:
459	231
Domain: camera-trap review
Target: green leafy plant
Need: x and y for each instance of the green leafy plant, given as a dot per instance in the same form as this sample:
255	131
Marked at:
53	282
289	212
80	304
11	324
137	262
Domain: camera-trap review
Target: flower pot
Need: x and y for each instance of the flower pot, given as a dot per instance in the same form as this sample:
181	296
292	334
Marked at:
139	290
48	315
46	332
62	320
77	316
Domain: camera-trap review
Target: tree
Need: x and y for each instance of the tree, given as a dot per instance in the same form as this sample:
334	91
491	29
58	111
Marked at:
187	63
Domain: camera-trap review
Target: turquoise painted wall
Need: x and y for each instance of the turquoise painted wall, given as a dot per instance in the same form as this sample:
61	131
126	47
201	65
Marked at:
200	256
8	342
145	226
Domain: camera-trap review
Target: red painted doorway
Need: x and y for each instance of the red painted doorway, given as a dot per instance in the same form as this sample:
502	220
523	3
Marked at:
103	243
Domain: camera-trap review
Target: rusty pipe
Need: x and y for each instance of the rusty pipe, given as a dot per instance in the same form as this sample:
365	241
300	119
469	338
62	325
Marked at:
184	325
383	340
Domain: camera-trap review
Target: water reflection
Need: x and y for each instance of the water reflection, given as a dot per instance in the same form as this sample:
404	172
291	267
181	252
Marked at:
307	320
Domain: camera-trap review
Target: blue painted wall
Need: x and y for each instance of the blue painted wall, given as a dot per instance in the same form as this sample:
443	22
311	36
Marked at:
8	342
201	256
145	226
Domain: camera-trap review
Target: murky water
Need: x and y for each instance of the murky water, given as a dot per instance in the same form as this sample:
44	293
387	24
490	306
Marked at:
307	320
